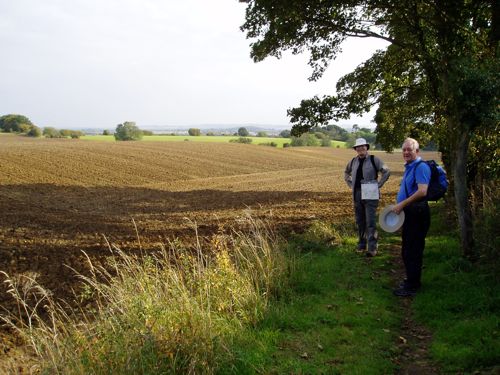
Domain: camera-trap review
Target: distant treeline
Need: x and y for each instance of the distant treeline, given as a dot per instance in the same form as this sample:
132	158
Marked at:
20	124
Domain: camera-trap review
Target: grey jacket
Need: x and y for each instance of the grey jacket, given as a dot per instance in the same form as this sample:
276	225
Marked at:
369	173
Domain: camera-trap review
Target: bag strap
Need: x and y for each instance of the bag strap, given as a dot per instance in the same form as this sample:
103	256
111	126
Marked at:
372	158
414	177
352	161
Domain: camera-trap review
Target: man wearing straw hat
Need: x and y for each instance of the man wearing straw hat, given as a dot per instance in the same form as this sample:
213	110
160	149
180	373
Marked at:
361	175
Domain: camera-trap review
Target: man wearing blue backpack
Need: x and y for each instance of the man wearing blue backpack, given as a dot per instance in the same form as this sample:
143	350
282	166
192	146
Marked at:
415	191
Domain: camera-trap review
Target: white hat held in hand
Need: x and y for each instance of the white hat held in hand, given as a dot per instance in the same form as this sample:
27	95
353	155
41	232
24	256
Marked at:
390	221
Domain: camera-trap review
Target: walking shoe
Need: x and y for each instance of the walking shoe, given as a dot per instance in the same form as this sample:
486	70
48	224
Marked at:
404	284
371	253
404	292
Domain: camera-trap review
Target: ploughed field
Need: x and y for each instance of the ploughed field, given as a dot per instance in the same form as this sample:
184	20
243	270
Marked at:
61	196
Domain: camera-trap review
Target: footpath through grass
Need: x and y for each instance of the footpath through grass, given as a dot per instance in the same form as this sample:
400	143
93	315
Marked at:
249	306
340	315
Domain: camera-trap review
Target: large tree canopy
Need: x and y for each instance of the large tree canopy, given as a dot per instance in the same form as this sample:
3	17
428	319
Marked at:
15	123
437	79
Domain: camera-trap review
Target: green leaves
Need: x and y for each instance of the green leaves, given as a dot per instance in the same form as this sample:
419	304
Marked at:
128	131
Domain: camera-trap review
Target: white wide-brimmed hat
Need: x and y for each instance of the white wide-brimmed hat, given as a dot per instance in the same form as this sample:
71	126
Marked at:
361	142
390	221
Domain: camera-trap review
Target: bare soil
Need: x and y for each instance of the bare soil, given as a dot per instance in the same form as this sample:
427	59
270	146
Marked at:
59	197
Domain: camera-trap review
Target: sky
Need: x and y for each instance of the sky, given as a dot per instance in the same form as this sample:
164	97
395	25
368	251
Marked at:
172	63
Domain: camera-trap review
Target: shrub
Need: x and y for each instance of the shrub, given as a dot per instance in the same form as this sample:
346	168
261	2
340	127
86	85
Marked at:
487	223
305	139
262	134
242	140
147	132
194	132
74	134
270	144
286	145
35	131
319	234
65	133
50	132
106	132
128	131
326	142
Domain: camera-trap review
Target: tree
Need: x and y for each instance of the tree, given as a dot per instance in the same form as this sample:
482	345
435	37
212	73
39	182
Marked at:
243	132
262	134
285	134
305	139
15	123
35	132
194	132
106	132
437	79
128	131
51	132
76	134
336	132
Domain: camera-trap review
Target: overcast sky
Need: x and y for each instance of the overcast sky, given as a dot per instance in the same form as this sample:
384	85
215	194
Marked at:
97	63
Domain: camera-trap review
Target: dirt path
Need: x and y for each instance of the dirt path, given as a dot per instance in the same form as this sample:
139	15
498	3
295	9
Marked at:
414	339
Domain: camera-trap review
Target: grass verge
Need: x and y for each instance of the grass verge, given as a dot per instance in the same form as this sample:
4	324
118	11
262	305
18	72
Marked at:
338	318
248	305
173	312
460	304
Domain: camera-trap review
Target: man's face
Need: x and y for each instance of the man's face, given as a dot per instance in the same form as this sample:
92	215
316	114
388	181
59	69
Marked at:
362	151
409	153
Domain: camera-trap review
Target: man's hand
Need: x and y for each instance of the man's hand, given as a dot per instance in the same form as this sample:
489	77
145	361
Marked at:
398	208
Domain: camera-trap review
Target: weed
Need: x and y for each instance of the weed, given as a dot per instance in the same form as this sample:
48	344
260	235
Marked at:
175	311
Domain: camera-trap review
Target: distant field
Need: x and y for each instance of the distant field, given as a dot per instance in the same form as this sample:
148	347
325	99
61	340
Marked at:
201	138
62	196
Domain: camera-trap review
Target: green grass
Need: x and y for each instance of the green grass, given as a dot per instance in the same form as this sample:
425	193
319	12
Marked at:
460	303
202	138
322	309
339	317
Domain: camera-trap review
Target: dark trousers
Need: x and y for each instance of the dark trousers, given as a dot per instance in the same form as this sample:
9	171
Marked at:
415	227
366	221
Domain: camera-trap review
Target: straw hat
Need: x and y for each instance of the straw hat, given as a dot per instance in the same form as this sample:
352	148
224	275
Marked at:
390	221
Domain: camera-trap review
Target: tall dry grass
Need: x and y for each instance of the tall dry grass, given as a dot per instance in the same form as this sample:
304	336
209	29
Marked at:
175	311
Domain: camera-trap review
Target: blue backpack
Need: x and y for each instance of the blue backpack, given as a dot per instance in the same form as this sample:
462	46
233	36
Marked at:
438	184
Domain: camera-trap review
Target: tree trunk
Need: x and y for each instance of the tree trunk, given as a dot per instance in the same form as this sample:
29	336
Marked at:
462	195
